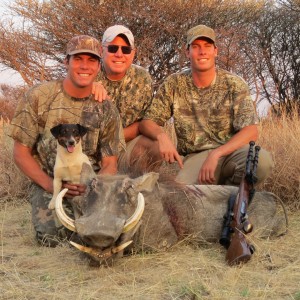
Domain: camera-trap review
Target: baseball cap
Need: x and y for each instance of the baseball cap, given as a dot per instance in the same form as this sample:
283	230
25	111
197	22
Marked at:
113	31
83	44
200	31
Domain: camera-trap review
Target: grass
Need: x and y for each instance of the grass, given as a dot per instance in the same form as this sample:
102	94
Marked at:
281	136
28	271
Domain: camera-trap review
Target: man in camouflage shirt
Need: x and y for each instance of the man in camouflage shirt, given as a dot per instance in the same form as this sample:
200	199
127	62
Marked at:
214	118
129	86
64	101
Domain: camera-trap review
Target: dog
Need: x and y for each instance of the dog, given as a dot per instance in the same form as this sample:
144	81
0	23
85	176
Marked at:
69	157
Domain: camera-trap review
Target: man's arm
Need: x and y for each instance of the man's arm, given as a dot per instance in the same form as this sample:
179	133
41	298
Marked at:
109	165
131	131
166	149
240	139
29	166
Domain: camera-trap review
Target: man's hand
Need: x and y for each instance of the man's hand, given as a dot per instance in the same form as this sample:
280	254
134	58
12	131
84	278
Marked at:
99	92
240	139
167	150
74	189
207	171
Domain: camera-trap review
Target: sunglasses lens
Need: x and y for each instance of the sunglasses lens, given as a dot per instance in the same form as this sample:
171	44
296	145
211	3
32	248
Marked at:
115	48
126	49
112	48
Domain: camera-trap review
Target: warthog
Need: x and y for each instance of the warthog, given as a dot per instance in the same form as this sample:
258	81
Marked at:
117	211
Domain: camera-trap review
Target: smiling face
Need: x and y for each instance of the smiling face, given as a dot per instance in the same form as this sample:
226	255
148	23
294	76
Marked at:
202	54
116	64
82	70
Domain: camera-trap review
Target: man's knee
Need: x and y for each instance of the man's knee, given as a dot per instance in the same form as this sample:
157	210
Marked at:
265	165
49	231
46	240
234	166
52	237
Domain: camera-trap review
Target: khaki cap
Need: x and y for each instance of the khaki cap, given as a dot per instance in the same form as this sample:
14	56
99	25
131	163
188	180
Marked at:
113	31
83	44
200	31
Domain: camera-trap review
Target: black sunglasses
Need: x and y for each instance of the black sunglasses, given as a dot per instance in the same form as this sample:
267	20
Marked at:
115	48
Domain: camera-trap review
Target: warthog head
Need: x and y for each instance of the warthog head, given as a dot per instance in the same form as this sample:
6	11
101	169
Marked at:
108	215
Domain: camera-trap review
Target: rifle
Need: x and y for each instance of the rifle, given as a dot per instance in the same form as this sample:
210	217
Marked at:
236	223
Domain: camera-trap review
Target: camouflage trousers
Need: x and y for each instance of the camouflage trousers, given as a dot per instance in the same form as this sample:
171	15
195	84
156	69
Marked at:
230	169
49	231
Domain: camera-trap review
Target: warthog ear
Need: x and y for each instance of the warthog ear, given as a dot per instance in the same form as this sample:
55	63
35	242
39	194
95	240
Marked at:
87	174
146	182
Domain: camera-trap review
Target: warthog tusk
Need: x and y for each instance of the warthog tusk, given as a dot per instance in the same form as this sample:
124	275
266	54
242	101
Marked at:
97	253
62	216
134	219
70	223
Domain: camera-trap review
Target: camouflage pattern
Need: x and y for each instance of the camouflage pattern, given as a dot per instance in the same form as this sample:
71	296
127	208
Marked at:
200	31
83	44
204	118
47	105
132	95
49	231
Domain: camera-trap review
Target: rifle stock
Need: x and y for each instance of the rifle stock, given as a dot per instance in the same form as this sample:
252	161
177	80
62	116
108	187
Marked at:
236	223
239	250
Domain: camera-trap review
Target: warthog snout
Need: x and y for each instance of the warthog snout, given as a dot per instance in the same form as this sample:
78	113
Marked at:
101	232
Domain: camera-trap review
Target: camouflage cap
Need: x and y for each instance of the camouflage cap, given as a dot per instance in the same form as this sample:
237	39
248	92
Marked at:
200	31
83	44
113	31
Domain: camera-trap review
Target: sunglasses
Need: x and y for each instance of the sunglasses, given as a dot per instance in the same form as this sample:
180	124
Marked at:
115	48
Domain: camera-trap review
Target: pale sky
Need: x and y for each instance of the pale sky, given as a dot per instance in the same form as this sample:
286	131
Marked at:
8	76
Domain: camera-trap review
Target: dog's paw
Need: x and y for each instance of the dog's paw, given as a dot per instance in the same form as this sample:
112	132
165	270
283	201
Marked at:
51	204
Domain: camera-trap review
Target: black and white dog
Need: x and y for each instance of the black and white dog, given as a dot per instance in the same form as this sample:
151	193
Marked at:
69	157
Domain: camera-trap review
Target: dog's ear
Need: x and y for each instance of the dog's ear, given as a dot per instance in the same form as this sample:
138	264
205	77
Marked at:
82	130
55	130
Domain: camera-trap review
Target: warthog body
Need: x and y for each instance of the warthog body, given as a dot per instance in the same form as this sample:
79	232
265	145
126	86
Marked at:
171	212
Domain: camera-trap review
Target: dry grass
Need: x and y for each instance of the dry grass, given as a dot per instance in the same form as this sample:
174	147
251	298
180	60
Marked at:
13	183
28	271
281	136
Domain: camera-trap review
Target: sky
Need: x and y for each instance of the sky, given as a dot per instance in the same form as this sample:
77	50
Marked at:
8	76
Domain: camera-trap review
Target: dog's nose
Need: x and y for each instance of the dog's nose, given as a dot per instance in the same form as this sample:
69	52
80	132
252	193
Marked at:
71	143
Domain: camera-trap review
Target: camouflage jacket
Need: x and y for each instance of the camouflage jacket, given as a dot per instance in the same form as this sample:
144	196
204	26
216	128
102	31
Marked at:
46	105
204	118
131	95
